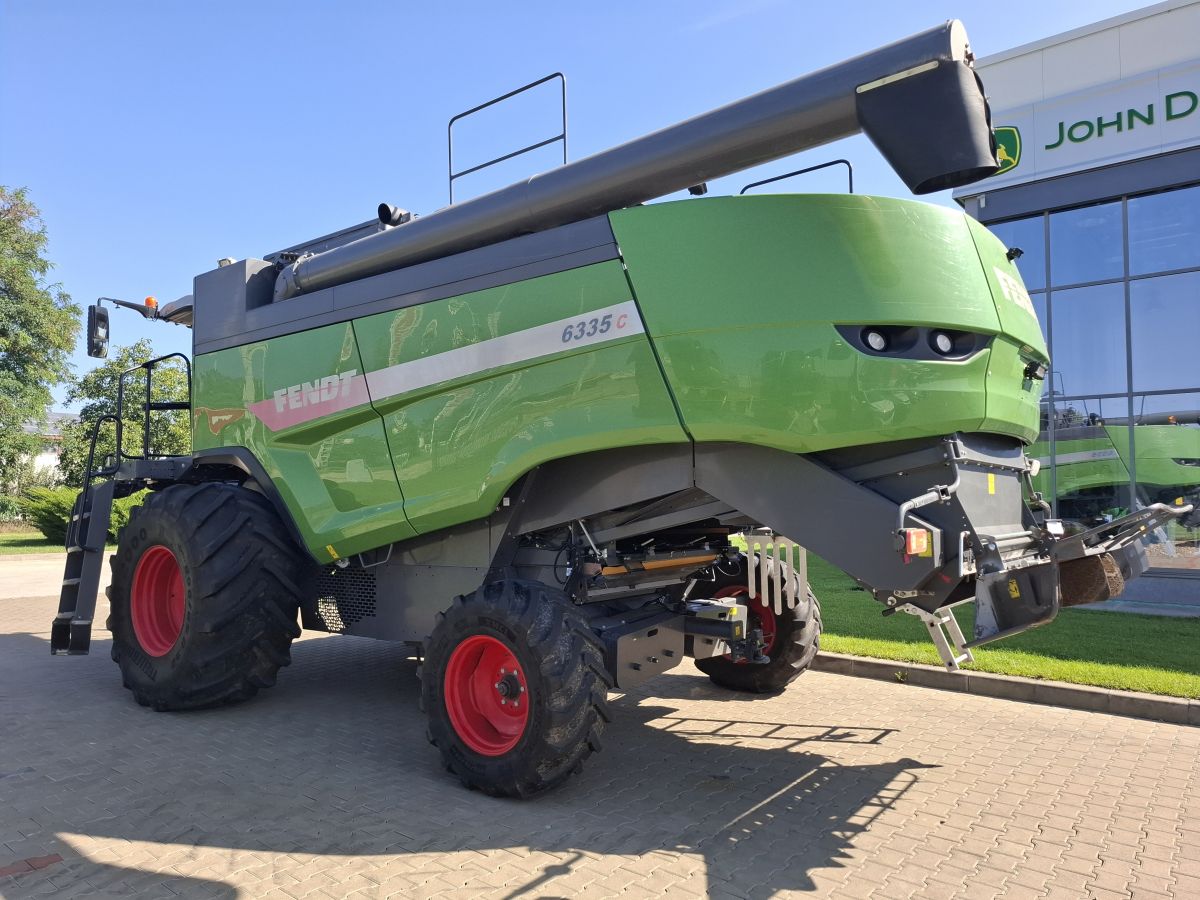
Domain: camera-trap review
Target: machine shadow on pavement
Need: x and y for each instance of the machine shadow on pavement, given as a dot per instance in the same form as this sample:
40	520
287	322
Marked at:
334	761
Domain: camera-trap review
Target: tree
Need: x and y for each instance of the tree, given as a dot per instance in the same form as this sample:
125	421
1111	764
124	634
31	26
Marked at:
170	432
38	324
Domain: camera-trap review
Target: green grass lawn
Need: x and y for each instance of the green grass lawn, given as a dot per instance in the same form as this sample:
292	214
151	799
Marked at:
29	542
1129	652
26	542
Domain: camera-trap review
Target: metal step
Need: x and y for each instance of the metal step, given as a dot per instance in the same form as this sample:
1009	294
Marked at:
944	632
71	630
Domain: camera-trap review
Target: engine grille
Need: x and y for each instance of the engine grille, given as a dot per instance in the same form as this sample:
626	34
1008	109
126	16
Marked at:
345	596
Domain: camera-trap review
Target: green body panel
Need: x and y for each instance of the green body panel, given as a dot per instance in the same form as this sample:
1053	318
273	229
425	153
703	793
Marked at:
739	299
1021	339
741	295
1017	316
459	444
1012	399
333	472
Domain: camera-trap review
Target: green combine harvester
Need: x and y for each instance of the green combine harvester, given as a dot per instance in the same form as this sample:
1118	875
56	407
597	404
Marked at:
522	434
1094	464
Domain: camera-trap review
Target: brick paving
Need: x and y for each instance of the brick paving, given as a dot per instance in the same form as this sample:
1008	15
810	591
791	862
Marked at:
324	786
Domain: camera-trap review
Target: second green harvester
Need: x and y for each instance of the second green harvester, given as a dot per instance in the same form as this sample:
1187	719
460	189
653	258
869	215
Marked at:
1095	464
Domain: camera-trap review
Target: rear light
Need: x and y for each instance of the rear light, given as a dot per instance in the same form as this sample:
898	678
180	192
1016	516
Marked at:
917	541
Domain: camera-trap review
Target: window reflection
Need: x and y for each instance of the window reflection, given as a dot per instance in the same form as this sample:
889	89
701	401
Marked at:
1043	317
1088	352
1030	236
1086	244
1164	231
1039	307
1114	454
1165	324
1166	441
1186	407
1090	481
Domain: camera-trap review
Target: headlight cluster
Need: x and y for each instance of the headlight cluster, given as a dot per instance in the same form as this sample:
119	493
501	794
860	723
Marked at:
914	342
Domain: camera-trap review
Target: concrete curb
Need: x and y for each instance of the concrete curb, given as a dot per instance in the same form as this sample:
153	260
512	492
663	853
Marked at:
1012	687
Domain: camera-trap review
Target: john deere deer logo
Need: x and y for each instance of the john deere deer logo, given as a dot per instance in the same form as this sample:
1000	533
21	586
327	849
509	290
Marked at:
1008	147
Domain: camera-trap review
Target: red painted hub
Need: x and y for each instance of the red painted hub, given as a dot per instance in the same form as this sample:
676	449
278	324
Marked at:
156	601
758	614
486	695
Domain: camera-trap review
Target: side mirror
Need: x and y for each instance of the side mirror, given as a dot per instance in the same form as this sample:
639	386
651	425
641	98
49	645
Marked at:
97	331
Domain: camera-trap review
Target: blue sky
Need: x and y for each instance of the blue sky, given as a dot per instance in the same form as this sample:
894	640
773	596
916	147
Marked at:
158	137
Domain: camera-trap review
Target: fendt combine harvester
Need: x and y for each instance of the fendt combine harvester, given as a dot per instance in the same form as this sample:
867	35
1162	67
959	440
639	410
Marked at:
521	433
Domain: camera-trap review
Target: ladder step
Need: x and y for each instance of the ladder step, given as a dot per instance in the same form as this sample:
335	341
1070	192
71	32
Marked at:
70	582
60	636
80	637
71	550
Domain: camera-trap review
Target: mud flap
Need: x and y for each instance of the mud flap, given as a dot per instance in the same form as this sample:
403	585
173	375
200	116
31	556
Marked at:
1013	601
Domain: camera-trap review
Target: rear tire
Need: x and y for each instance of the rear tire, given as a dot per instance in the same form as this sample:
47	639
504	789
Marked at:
204	595
514	684
795	644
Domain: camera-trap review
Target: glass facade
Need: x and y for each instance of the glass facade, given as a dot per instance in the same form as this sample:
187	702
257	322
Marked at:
1116	286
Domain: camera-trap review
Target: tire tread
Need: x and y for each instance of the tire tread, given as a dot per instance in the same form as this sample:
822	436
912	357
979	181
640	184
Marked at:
571	677
785	667
242	598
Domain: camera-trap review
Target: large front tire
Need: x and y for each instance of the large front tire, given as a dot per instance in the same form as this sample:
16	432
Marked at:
204	595
793	638
514	684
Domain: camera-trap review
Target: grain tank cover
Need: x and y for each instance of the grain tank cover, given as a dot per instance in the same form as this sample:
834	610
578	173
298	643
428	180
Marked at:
917	99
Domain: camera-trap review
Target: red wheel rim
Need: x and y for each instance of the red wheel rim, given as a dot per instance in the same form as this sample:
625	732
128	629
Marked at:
486	695
157	601
759	615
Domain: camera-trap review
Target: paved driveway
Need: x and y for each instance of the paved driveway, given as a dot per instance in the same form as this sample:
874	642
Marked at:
325	786
25	575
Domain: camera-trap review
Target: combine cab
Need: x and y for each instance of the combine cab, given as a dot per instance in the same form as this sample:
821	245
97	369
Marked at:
523	434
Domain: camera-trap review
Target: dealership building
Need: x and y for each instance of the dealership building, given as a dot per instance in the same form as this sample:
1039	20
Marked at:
1099	186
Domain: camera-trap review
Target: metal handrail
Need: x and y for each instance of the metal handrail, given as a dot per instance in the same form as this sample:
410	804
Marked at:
824	165
90	473
562	136
149	405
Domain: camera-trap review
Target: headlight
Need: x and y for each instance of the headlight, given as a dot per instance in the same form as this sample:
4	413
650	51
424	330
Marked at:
941	342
